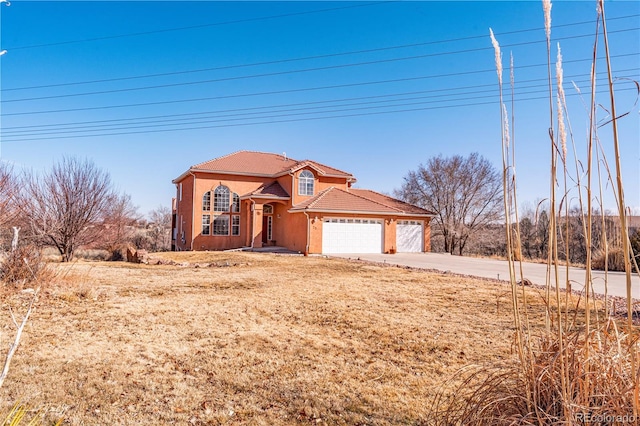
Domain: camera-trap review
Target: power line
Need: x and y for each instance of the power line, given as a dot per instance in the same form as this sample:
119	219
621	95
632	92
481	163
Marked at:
237	21
274	92
283	121
154	129
17	130
277	73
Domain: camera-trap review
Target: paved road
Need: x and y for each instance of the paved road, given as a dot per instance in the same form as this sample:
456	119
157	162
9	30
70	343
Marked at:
499	269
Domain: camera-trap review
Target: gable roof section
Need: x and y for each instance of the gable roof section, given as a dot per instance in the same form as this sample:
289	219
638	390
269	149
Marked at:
320	168
253	163
271	190
340	201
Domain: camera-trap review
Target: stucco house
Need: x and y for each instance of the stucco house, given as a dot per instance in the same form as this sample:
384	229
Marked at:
255	199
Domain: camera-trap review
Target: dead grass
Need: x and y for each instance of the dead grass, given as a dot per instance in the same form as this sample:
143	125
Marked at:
268	340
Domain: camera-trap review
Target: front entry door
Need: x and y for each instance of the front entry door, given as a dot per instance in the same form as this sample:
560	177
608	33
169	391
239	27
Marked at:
267	225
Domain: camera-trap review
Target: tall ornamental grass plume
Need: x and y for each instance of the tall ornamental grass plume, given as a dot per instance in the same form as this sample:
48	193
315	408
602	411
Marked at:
494	395
582	366
20	415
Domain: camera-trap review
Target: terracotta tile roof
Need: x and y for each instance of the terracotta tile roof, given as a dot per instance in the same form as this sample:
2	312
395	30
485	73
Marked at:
249	162
263	163
271	190
338	200
385	199
323	169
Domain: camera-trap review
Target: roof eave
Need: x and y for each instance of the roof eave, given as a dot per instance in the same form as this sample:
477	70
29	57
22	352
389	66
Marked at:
269	197
367	212
181	177
349	178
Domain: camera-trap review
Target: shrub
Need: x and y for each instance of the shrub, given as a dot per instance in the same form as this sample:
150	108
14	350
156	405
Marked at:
614	260
93	254
116	255
635	243
23	265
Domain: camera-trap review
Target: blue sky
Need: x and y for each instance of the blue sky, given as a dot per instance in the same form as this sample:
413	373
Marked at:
147	89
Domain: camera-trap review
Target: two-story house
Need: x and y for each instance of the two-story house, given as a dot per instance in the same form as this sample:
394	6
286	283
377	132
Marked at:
256	199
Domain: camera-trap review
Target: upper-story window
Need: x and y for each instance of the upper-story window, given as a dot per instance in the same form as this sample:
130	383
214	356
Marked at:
206	201
305	183
221	199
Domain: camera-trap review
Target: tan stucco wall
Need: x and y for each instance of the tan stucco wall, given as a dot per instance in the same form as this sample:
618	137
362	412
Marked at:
389	235
427	235
290	230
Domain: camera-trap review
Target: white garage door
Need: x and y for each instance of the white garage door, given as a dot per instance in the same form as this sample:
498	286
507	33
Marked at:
351	236
409	236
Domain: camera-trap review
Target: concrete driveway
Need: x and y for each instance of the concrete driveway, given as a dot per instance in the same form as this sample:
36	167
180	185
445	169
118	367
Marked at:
499	269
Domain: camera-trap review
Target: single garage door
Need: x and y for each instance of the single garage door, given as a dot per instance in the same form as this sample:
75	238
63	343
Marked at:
351	235
409	236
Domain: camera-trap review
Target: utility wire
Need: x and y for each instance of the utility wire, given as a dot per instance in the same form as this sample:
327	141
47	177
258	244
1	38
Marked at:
305	58
274	114
448	89
215	24
144	33
306	89
154	130
164	119
287	72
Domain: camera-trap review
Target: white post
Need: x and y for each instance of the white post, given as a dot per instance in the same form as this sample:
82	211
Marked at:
14	242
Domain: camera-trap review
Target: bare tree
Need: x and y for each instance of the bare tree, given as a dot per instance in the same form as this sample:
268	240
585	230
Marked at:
160	228
465	193
66	207
8	188
117	225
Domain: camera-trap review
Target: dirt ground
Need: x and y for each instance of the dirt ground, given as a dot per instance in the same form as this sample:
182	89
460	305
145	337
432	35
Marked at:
258	339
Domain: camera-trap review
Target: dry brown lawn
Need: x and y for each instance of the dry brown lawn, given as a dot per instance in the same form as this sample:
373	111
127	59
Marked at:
258	339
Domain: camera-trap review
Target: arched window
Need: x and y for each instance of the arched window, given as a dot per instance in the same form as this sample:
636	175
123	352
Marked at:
305	183
235	206
206	201
221	199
